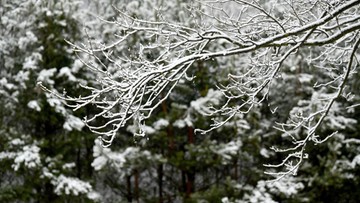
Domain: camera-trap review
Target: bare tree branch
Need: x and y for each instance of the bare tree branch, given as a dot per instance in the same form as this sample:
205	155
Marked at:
263	36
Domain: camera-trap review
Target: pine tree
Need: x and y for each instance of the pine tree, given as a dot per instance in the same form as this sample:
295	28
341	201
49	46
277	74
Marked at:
46	153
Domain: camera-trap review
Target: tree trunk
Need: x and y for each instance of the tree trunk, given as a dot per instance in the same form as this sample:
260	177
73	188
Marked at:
170	132
128	187
136	185
191	137
236	175
160	182
190	173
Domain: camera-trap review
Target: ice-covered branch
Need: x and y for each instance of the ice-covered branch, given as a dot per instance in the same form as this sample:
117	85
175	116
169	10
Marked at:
312	126
149	55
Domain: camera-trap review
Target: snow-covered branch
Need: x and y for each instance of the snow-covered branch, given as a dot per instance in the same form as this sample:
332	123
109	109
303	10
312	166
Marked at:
150	55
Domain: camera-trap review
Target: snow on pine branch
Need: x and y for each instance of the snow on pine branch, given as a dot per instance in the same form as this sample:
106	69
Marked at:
151	54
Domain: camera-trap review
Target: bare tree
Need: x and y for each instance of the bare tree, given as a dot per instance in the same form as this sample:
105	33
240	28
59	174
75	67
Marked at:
262	35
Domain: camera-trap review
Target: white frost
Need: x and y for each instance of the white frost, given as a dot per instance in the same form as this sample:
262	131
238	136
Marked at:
65	71
99	163
140	130
227	150
94	196
27	39
105	157
265	153
73	123
29	156
4	83
161	123
70	185
34	105
263	192
17	141
179	123
56	103
46	74
69	165
355	161
201	105
305	78
22	77
77	66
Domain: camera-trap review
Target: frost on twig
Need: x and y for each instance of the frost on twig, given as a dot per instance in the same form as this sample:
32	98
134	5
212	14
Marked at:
133	78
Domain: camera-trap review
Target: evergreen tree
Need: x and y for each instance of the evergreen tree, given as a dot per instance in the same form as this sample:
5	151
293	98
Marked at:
45	151
48	155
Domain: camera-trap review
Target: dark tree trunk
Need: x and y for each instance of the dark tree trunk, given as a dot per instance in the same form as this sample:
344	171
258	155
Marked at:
190	172
128	187
136	185
160	182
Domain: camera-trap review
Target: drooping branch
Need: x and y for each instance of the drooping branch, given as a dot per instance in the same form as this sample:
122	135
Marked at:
300	145
134	78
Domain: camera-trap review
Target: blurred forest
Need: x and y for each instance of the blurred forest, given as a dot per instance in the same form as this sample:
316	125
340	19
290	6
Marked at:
47	154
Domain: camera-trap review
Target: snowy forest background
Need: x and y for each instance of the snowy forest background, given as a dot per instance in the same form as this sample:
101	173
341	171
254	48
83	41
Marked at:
47	154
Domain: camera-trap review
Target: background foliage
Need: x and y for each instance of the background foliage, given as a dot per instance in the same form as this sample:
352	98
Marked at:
48	155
